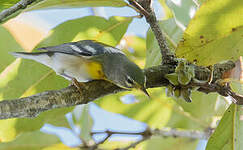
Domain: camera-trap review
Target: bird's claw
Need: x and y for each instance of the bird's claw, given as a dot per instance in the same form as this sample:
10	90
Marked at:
78	85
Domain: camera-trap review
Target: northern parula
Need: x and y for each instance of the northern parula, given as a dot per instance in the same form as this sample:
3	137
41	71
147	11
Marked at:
90	60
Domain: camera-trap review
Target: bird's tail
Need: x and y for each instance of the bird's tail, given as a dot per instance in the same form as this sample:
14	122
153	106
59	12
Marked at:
41	57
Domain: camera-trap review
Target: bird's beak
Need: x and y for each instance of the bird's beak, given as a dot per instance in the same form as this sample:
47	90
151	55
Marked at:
145	92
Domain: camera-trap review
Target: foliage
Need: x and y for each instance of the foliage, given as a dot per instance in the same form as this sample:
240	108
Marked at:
211	32
206	38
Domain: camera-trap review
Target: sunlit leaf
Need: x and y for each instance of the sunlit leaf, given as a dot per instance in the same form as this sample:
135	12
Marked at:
12	45
202	106
83	120
10	128
172	31
200	2
211	32
135	49
201	111
136	45
155	113
237	86
229	133
183	10
57	4
114	144
35	141
173	35
173	78
153	55
89	28
60	146
160	111
167	11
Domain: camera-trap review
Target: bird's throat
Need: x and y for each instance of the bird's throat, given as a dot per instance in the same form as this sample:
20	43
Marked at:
95	70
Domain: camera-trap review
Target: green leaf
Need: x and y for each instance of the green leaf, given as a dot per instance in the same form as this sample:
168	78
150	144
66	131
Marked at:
35	141
167	11
173	35
186	95
10	128
89	28
229	133
184	77
211	32
172	31
12	45
26	77
168	143
57	4
237	87
153	55
177	93
137	44
199	114
83	120
158	112
60	146
155	113
183	120
185	72
173	78
182	11
202	106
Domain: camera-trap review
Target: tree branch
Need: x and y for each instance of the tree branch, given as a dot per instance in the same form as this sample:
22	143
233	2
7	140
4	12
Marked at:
148	133
33	105
20	5
70	96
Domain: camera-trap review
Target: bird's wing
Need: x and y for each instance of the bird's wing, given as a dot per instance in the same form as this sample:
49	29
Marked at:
83	48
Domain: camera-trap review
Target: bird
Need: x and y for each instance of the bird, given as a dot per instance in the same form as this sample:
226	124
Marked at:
87	60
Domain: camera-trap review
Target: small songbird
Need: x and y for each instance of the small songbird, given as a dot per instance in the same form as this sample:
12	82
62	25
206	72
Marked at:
87	60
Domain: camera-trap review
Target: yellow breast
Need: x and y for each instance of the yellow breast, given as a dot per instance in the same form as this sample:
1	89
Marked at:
94	69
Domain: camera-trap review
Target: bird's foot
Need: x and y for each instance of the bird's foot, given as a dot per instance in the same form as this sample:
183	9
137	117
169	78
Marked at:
78	85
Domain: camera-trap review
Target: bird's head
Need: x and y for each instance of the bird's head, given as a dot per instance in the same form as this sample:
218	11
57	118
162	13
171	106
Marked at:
134	77
121	71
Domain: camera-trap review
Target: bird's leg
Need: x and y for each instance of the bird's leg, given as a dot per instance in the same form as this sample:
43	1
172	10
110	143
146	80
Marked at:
74	82
77	84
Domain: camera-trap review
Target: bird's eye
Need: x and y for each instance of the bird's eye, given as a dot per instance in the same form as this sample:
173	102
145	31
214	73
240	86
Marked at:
130	81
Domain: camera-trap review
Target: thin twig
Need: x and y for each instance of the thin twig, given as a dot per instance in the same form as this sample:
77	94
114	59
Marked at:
144	6
181	133
166	132
115	132
139	7
20	5
146	134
